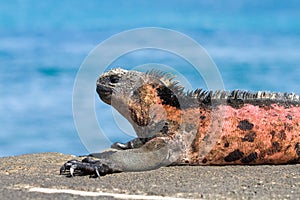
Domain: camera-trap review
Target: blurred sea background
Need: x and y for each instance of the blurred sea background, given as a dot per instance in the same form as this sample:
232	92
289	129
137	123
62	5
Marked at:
255	44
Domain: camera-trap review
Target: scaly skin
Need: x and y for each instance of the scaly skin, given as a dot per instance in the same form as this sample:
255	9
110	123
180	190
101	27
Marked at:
250	135
196	128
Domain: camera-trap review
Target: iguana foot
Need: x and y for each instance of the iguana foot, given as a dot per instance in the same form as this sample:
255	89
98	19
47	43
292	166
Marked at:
87	166
132	144
121	146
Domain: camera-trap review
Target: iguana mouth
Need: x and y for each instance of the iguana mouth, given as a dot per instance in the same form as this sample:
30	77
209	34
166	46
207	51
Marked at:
104	93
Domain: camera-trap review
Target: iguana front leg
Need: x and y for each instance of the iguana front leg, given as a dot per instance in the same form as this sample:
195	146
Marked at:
152	155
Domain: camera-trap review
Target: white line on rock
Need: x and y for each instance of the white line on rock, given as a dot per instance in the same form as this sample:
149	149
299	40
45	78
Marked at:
116	195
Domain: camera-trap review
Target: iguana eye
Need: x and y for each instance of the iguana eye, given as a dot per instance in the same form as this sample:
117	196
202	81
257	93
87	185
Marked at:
114	79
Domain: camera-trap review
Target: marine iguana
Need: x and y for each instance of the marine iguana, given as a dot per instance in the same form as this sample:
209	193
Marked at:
175	127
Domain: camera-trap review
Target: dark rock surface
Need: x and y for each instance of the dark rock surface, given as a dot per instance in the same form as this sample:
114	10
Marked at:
20	174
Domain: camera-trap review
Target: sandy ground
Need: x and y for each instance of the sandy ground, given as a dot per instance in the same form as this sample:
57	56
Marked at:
36	176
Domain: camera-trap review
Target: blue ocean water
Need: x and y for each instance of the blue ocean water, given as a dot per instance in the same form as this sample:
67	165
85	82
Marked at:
255	44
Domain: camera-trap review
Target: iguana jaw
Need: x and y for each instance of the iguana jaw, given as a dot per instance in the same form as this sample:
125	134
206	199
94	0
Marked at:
104	93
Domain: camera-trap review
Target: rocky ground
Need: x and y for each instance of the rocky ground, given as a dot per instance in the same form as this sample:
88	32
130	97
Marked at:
36	176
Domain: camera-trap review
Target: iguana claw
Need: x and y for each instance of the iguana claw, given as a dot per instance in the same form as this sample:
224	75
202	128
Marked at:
87	166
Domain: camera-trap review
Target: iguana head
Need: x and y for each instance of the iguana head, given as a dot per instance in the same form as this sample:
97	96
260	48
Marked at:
111	82
122	85
139	97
